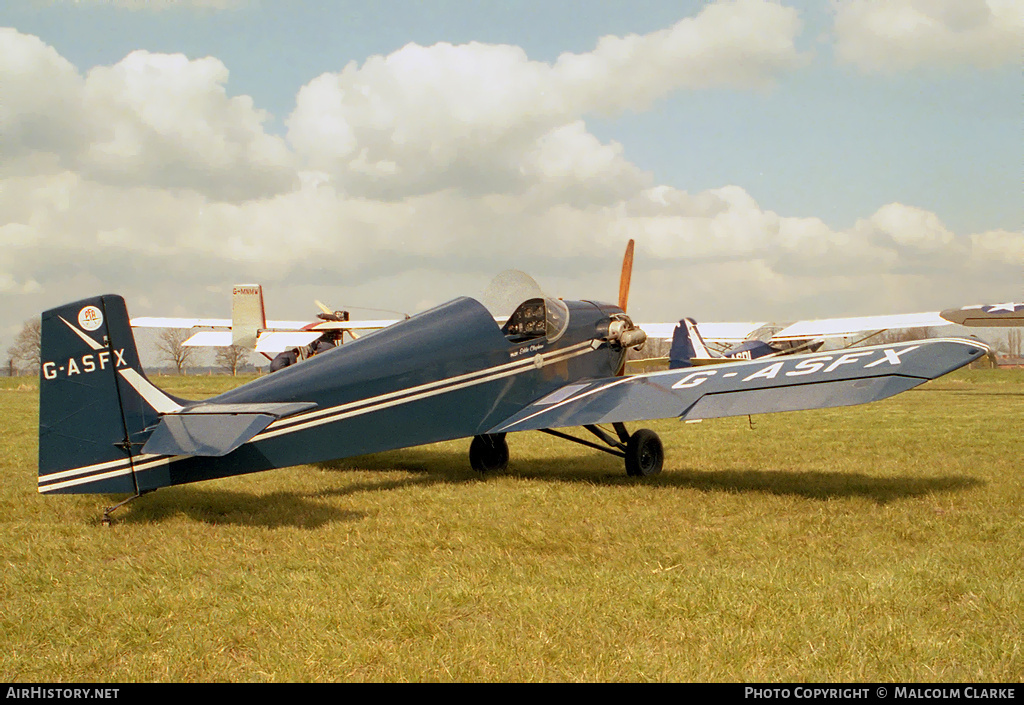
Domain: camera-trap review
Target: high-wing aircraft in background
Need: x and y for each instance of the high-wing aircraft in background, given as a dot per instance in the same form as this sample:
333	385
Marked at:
695	344
283	342
450	372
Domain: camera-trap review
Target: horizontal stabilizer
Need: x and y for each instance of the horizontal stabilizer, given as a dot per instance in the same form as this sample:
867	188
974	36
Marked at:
215	429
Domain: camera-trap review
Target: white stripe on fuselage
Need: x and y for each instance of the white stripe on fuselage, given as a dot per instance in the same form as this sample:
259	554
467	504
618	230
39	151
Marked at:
423	391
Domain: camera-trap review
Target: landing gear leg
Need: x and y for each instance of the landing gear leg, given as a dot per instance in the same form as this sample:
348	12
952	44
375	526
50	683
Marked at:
489	452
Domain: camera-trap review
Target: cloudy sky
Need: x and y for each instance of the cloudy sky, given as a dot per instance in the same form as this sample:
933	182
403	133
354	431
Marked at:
773	160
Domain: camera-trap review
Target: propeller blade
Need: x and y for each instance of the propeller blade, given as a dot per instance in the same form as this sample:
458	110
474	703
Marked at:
323	307
627	272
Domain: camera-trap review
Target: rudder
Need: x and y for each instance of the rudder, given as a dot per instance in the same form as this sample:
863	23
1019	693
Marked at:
248	317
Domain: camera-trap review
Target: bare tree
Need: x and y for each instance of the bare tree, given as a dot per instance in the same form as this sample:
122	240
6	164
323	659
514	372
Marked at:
1014	341
26	353
172	344
232	357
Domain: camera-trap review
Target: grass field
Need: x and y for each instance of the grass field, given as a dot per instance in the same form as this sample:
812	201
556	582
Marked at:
875	543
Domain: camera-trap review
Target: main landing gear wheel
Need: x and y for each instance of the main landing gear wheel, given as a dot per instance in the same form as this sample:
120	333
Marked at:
489	452
644	454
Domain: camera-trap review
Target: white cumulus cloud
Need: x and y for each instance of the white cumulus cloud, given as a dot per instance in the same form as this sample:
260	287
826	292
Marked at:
486	119
166	120
32	119
161	120
894	35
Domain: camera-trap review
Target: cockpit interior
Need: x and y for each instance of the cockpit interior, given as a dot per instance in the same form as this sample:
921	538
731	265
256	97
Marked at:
537	318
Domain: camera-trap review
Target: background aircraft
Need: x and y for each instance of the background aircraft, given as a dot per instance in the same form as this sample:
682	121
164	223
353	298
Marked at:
695	344
450	372
283	342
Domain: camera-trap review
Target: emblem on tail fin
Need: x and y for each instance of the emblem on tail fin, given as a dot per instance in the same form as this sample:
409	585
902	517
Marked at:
90	318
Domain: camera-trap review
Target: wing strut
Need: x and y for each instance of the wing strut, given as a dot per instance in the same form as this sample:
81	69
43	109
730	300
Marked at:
616	447
642	450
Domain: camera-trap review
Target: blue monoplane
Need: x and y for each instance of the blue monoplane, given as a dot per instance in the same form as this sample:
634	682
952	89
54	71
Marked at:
450	372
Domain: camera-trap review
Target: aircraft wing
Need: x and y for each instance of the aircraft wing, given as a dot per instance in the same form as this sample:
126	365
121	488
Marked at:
845	327
266	341
982	315
329	325
810	381
276	337
157	322
248	326
210	339
279	341
728	333
353	325
275	341
1008	314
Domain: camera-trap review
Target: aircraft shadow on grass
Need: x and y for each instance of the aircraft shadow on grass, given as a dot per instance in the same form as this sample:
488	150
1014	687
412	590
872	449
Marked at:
428	467
433	467
234	508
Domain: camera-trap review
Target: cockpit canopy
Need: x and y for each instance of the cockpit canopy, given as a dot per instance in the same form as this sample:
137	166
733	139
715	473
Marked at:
537	318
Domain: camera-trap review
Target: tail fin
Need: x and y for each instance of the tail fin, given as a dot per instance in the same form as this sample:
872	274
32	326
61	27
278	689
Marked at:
687	344
95	402
248	316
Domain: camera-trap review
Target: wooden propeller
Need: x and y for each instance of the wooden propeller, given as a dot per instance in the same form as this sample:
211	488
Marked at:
627	272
